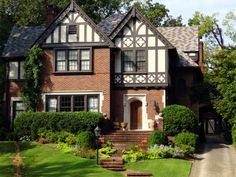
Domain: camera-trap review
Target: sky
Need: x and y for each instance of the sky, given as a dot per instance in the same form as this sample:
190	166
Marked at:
186	8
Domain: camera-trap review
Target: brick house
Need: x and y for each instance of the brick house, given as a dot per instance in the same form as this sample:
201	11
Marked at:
123	66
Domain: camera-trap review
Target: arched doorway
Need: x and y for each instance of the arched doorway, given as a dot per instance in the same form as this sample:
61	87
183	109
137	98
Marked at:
136	114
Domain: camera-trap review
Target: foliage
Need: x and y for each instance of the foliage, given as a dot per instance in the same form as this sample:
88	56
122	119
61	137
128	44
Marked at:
222	76
85	153
178	119
107	151
64	147
157	14
157	137
32	86
28	123
133	154
234	134
24	12
86	139
187	142
162	151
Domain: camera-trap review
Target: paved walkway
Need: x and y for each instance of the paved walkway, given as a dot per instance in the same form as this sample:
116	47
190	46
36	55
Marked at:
215	159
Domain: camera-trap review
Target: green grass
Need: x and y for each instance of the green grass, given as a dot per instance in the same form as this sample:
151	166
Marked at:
163	167
43	161
7	154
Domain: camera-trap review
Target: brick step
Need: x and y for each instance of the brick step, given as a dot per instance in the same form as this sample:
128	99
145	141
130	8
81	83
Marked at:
112	160
112	166
140	174
111	163
116	169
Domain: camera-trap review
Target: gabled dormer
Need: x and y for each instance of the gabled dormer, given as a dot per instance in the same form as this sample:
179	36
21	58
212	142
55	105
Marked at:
142	58
72	36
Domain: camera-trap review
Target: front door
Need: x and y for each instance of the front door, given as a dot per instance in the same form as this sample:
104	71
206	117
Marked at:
136	115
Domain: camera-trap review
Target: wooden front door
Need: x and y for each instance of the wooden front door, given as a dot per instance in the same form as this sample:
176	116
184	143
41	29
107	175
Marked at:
136	115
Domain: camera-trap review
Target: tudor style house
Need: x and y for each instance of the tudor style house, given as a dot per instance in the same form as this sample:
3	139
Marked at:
124	66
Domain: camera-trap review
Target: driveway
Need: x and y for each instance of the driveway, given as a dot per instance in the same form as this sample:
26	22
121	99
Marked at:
215	159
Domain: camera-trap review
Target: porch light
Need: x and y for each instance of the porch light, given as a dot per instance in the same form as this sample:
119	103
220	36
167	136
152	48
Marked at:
97	132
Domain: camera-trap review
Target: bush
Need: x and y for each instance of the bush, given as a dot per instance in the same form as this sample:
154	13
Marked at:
107	151
179	119
28	123
162	151
157	137
187	142
86	140
133	154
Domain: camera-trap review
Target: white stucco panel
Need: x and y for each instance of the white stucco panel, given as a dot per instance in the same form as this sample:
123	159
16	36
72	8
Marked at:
160	43
96	37
152	41
89	33
142	30
118	62
151	60
81	33
56	35
118	42
161	60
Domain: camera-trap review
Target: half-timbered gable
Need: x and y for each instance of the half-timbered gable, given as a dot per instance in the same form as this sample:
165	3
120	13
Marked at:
72	27
143	56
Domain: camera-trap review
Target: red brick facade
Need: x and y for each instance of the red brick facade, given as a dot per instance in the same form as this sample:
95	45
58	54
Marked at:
99	80
152	95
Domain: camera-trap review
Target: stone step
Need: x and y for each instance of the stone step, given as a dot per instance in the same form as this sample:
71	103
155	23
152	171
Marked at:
139	174
112	160
116	169
112	166
110	163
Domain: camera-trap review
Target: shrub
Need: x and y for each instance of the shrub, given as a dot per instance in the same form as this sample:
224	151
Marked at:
133	154
157	137
86	139
162	151
28	123
179	119
107	151
64	147
187	142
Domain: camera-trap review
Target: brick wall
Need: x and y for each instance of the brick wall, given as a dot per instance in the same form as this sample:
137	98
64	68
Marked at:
98	81
152	95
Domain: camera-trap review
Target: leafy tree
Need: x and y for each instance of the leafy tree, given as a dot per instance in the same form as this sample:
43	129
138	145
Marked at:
32	86
158	14
223	78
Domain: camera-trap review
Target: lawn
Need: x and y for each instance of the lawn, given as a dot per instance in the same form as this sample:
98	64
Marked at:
163	167
7	154
42	160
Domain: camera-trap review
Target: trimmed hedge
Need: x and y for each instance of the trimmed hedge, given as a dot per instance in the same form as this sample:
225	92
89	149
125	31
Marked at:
28	123
157	138
179	119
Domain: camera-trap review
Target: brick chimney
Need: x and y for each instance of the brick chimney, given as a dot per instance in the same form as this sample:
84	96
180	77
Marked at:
200	61
52	12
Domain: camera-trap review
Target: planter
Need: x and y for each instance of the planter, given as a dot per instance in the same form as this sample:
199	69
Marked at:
152	124
123	125
116	125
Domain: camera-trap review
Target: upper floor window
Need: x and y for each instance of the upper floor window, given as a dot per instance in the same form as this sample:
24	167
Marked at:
74	60
16	70
72	29
134	60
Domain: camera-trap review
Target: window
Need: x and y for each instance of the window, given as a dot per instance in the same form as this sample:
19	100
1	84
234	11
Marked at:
78	60
16	70
141	61
72	29
18	106
72	103
134	61
128	61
